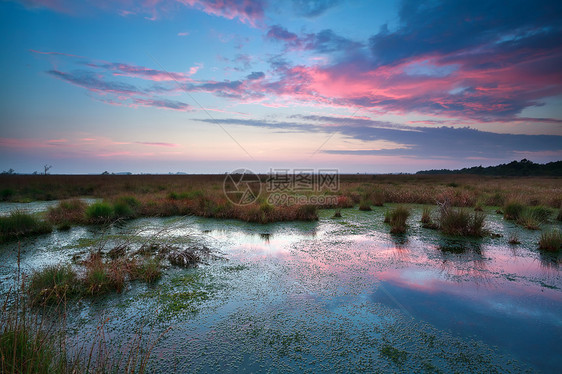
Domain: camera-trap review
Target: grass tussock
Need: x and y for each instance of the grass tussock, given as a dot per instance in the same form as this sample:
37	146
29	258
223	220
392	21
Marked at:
427	221
101	212
397	218
149	270
19	224
551	241
67	212
512	210
514	239
25	348
460	222
365	205
52	285
29	344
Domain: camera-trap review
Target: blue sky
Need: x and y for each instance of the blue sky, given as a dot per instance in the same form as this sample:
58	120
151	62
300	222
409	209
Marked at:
210	86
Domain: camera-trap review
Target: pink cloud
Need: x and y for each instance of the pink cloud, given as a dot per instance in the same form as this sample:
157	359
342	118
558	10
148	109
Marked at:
158	144
250	12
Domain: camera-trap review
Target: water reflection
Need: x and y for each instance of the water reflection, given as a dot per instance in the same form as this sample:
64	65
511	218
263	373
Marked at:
550	260
266	237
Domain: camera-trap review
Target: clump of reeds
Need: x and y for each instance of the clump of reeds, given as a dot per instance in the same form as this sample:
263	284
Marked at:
397	218
365	205
377	198
52	285
101	212
551	241
337	213
19	224
125	207
426	220
459	222
67	212
514	239
149	270
512	210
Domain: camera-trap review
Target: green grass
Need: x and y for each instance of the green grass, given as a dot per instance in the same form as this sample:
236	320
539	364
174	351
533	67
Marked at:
126	207
426	215
25	351
149	270
99	212
397	219
551	241
460	222
512	210
365	205
19	224
52	285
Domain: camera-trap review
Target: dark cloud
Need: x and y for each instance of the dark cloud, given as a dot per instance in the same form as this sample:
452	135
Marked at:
255	76
313	8
444	27
418	142
161	103
325	41
90	81
280	33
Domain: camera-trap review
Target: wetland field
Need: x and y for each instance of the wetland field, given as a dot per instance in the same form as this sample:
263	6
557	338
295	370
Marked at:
399	273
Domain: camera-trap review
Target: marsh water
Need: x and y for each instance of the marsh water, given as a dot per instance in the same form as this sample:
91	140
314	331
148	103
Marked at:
336	295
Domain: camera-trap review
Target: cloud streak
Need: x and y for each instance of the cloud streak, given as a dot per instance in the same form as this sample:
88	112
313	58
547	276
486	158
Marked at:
416	142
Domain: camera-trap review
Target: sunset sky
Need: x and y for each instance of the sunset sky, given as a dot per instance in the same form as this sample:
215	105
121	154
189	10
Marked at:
200	86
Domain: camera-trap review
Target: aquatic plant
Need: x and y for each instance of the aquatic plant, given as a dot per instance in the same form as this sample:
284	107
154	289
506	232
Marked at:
426	215
512	210
52	284
427	222
396	355
99	212
149	270
459	222
125	207
365	205
25	348
540	213
397	219
6	194
514	239
377	198
19	224
337	213
67	212
30	345
528	220
102	277
306	212
551	241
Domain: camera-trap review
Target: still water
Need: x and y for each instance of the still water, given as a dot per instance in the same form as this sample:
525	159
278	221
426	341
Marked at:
337	295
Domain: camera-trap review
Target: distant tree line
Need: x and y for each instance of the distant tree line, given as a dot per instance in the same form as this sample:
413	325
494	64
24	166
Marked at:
514	168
